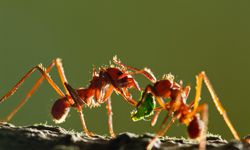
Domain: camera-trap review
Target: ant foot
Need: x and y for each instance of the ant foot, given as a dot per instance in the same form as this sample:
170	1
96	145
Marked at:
112	135
89	134
3	121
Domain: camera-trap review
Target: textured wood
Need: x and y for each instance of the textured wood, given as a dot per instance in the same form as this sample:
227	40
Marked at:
44	137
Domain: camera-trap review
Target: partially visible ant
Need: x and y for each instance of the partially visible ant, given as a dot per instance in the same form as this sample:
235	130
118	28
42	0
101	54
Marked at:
102	85
177	107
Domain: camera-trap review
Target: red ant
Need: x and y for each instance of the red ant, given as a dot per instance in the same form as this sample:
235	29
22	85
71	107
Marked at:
102	85
177	108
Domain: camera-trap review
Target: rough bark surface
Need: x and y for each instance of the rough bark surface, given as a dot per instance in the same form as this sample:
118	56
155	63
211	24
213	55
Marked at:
44	137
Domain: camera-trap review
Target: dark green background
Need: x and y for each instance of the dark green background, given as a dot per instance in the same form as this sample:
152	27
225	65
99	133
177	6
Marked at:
181	37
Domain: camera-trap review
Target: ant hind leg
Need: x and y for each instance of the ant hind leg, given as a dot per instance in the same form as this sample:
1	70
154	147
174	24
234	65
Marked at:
30	93
162	132
199	78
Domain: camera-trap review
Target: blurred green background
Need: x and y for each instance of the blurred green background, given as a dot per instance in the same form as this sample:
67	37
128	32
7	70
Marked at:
181	37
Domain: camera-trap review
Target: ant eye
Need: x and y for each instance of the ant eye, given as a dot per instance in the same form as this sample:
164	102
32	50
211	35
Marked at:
145	108
60	110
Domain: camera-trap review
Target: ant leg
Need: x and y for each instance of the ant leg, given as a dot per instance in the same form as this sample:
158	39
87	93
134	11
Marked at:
78	106
161	102
154	119
127	99
202	76
187	91
110	113
62	76
23	101
130	82
146	71
200	129
165	119
162	132
39	81
84	127
149	89
109	108
108	93
44	74
204	116
157	112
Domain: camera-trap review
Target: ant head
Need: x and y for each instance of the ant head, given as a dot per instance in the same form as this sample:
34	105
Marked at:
145	108
195	127
60	110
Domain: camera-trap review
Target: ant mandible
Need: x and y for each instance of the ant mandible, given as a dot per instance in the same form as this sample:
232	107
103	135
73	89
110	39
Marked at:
102	85
177	107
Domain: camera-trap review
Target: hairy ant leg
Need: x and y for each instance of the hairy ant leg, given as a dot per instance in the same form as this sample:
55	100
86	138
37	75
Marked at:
162	131
107	99
156	115
203	108
170	112
83	124
186	91
61	73
199	78
108	93
110	120
167	105
146	71
44	73
127	99
78	104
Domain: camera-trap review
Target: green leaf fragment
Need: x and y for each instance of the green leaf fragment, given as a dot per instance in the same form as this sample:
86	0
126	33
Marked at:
145	109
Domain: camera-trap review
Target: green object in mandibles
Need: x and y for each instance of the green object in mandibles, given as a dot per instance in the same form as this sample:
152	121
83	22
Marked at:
145	108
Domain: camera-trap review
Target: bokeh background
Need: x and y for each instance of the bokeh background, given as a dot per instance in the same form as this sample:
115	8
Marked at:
181	37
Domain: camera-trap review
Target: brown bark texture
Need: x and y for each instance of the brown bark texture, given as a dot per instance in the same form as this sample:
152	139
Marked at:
45	137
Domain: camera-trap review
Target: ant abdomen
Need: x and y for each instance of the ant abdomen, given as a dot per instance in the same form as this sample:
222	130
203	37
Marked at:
60	110
195	127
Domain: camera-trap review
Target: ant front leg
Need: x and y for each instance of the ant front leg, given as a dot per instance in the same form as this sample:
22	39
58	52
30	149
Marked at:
156	115
110	121
146	71
45	75
157	112
199	78
123	92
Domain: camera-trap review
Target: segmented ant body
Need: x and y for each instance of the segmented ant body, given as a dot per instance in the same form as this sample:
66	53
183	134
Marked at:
176	105
119	79
102	85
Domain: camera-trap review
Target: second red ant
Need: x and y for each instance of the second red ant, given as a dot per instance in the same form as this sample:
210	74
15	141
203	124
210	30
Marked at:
177	106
